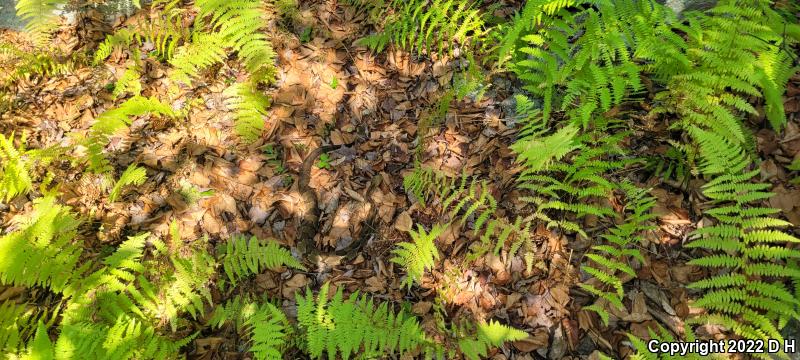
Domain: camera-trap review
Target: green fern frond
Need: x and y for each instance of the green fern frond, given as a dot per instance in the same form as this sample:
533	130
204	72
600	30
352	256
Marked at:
40	347
495	333
489	334
36	64
121	267
347	327
242	257
249	107
112	121
15	169
472	202
536	153
268	332
124	338
742	243
577	61
133	175
187	289
14	326
112	312
429	25
577	179
40	18
623	239
205	50
419	256
128	83
236	311
266	326
735	56
121	38
165	33
240	25
662	335
41	252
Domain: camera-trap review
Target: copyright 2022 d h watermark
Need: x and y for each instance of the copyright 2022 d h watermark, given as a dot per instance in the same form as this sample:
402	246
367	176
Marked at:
731	346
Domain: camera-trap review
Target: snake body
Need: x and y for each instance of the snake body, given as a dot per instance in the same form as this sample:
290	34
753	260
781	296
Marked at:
309	214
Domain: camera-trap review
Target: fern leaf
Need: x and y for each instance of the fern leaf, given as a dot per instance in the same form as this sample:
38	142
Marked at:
267	332
40	18
205	50
115	120
128	83
419	256
15	169
242	257
344	326
131	176
41	251
250	108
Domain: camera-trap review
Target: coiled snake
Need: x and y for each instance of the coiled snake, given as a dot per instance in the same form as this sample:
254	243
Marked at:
309	213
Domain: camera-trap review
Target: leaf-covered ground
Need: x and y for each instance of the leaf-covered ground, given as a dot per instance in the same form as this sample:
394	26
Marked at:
330	91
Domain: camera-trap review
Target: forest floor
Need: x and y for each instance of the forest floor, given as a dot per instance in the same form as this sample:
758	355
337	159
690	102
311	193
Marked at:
332	92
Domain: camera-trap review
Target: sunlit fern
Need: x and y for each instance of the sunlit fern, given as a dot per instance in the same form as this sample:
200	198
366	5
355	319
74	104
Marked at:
610	260
40	18
418	256
113	121
128	83
41	252
242	257
430	26
487	335
250	109
572	186
131	176
355	325
746	252
164	32
15	169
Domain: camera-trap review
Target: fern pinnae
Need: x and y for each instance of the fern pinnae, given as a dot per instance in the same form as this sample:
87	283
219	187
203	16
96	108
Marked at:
40	18
268	329
204	50
426	26
419	256
622	239
242	257
250	109
462	198
488	334
128	83
133	175
41	252
14	325
237	24
112	121
745	242
15	178
356	324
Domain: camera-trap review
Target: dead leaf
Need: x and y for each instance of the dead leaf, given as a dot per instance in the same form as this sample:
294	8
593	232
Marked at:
297	282
788	201
403	222
638	310
537	340
422	307
376	284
